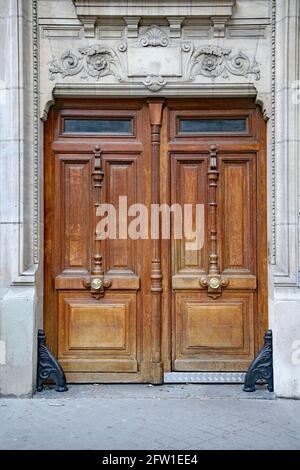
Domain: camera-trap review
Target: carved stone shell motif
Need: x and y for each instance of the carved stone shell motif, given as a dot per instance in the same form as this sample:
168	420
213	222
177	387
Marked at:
154	37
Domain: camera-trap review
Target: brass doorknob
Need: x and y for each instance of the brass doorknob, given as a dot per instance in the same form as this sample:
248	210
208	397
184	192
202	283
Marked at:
214	284
97	285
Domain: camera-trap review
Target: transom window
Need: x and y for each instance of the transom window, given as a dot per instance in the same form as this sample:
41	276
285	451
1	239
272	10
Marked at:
99	126
212	126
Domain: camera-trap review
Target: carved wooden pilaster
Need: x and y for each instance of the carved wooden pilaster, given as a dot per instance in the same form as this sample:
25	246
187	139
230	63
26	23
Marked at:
214	282
155	110
213	177
98	176
97	283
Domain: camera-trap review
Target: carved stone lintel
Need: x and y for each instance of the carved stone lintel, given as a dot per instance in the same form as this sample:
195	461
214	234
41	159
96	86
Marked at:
201	8
98	61
261	367
48	366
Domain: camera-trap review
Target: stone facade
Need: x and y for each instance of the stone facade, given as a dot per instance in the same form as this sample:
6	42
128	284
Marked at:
88	48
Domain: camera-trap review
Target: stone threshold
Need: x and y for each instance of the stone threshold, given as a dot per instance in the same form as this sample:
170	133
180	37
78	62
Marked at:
155	392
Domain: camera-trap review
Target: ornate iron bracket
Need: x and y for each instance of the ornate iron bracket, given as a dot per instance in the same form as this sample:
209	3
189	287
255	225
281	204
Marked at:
261	367
48	366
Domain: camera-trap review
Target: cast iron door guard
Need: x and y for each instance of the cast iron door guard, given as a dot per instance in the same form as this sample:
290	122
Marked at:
261	367
48	367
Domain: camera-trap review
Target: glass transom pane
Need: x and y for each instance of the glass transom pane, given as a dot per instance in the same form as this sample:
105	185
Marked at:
205	126
98	126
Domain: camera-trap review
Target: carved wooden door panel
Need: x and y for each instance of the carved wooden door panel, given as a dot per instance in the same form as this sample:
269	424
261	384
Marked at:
96	311
215	158
126	309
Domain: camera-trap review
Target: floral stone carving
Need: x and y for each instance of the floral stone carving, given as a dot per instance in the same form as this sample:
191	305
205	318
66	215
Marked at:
99	61
95	61
213	62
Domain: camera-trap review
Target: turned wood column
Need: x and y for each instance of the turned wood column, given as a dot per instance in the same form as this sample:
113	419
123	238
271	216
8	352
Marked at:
155	110
214	282
213	177
97	175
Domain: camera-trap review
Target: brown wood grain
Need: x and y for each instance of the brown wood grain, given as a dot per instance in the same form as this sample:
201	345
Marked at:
155	113
238	224
96	337
155	316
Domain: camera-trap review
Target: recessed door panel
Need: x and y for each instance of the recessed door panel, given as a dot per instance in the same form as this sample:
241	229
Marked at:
237	195
98	335
188	187
210	332
121	182
73	194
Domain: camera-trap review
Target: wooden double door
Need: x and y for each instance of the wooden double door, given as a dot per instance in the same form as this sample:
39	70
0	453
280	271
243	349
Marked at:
127	309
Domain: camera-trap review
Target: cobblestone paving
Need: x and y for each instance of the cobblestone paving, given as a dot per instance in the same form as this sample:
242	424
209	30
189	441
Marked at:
145	417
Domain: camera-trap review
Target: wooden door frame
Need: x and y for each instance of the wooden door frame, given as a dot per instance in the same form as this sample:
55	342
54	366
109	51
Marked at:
262	252
51	144
262	244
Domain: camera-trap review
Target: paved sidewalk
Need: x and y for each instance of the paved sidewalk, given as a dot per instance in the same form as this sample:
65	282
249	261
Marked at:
145	417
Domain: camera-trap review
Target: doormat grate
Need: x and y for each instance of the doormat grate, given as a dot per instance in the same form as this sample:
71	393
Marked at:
205	377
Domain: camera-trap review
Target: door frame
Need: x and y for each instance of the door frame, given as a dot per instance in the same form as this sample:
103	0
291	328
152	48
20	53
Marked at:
262	244
52	144
262	250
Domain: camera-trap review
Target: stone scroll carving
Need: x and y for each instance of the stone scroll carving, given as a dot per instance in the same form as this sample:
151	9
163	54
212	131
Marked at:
154	82
154	59
94	61
214	62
